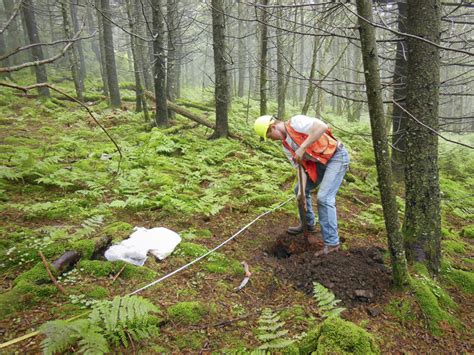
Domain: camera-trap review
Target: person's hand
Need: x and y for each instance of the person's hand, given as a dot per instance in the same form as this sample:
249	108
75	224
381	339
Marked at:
299	155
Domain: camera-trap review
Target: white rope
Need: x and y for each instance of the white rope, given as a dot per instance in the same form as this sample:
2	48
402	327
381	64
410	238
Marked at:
210	251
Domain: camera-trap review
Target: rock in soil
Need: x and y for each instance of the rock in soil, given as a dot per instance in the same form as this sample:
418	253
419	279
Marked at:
357	276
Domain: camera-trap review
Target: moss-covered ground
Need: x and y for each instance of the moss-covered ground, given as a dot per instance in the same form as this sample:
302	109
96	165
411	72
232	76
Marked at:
63	186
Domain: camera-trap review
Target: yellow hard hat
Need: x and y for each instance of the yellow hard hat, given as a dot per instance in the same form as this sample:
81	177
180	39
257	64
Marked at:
261	125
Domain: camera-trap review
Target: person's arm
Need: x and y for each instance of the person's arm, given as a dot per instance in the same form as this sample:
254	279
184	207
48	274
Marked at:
316	131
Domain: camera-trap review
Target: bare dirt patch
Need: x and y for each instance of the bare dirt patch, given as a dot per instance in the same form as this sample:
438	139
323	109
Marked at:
356	276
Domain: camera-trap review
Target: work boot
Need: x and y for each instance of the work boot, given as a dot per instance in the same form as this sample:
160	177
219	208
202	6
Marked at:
299	229
327	249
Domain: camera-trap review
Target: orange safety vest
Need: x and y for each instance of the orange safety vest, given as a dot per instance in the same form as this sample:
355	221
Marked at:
322	150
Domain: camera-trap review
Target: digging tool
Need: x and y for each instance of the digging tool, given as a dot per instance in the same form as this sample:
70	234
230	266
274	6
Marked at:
302	201
246	278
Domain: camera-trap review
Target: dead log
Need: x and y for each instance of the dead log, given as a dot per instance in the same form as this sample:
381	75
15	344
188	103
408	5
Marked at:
66	261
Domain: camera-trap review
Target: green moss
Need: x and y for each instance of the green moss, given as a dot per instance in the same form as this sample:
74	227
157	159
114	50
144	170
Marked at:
401	310
118	230
99	268
464	280
187	312
97	293
54	250
36	275
24	294
468	232
85	247
432	300
140	273
191	341
451	246
191	249
221	264
337	336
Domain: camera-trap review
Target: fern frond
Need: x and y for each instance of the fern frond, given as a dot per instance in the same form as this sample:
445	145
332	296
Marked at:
59	336
326	301
270	331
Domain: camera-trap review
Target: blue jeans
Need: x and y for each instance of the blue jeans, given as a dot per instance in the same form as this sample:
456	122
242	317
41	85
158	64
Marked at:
329	180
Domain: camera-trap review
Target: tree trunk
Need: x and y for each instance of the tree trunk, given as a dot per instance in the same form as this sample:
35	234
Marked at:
399	118
172	15
28	12
72	54
78	44
221	92
103	71
280	66
241	51
312	72
422	227
140	102
110	67
263	58
161	117
12	39
380	143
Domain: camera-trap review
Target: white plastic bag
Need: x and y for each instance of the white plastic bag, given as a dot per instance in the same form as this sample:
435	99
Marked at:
158	241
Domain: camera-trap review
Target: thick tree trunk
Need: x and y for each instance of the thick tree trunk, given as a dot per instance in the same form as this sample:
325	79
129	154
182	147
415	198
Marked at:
72	54
28	12
110	67
399	118
380	143
422	227
161	117
263	58
222	89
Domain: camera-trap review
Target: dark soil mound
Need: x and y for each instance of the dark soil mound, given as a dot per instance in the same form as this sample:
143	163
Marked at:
356	276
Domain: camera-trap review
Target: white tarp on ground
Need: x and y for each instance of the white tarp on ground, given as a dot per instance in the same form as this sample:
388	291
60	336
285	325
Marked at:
159	242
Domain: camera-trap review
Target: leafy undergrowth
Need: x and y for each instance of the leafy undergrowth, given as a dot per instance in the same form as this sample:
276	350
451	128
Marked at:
64	187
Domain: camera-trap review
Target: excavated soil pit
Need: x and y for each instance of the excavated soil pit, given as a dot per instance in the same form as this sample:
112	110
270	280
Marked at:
357	276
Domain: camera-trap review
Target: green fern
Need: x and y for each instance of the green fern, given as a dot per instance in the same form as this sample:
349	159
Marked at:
89	226
326	301
270	331
116	322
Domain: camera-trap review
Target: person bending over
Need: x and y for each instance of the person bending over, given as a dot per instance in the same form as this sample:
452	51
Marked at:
307	141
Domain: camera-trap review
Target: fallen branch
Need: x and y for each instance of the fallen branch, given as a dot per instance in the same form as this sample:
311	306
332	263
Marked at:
118	274
51	276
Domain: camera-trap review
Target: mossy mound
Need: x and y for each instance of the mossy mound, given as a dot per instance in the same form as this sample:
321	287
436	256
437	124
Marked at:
337	336
464	280
118	231
22	295
36	275
100	268
84	247
468	232
433	300
187	312
97	293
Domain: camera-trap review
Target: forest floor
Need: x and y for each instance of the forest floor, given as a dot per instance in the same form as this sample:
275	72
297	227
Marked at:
39	213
